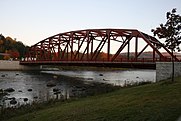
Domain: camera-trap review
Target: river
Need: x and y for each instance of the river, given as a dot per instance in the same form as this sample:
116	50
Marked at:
28	87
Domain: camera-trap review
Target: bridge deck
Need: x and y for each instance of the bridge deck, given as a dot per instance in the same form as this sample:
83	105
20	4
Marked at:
144	65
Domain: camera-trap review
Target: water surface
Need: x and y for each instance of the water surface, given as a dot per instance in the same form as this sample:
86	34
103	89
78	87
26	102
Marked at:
117	77
33	86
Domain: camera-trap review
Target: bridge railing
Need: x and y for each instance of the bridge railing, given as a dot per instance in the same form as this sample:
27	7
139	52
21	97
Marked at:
131	60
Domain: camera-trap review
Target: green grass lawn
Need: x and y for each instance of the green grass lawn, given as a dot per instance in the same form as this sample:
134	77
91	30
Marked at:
152	102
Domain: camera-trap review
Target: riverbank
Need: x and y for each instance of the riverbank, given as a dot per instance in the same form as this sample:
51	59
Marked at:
154	102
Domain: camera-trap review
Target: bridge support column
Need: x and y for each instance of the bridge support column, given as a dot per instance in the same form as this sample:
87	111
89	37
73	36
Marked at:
164	70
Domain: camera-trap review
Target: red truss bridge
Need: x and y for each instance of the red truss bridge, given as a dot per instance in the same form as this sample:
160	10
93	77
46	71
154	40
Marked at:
98	47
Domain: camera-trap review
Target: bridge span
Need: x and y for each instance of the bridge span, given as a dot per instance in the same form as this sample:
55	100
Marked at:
99	47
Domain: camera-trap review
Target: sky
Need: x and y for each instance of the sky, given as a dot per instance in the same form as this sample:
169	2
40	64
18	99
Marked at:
31	21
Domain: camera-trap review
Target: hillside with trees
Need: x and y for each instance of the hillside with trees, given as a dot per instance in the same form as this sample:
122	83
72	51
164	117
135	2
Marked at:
11	49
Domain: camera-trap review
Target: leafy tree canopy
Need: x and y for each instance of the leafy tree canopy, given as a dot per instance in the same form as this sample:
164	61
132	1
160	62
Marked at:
170	31
16	49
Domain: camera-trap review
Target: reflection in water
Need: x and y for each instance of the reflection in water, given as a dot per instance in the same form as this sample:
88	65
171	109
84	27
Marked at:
39	86
110	77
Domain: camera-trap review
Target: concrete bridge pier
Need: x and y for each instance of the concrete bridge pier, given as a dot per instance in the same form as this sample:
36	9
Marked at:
164	70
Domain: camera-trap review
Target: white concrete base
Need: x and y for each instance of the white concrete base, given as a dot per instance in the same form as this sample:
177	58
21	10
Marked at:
164	70
14	65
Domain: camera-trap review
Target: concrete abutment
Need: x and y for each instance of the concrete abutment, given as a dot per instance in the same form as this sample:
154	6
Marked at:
14	65
164	70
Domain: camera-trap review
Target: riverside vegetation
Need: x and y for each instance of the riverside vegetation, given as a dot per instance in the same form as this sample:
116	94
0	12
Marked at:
152	102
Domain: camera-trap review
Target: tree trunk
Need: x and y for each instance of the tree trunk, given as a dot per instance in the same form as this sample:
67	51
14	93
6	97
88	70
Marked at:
173	66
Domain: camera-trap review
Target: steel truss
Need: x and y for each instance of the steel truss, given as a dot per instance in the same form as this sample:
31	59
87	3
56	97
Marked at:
87	45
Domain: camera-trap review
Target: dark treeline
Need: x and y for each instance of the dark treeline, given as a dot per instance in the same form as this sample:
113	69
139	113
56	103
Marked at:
10	48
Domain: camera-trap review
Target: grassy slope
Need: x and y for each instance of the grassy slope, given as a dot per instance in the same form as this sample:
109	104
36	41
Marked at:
153	102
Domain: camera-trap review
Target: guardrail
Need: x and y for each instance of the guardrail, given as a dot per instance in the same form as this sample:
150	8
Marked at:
143	60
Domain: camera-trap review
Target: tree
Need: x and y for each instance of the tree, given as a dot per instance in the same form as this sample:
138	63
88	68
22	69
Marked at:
171	32
17	48
14	54
21	48
2	40
7	56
